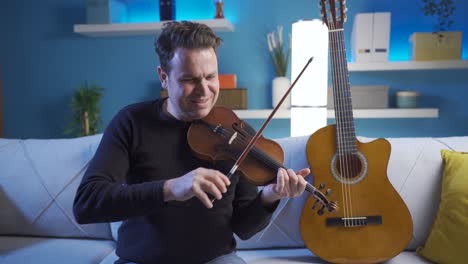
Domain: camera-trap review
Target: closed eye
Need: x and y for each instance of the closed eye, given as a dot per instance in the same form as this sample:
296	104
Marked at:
188	80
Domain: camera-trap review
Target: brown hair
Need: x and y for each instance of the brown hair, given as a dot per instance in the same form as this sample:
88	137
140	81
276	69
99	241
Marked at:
183	34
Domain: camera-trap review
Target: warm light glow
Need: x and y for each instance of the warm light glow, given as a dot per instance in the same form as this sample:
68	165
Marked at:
309	96
307	120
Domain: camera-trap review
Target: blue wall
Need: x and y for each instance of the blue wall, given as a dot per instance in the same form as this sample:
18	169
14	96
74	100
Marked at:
43	61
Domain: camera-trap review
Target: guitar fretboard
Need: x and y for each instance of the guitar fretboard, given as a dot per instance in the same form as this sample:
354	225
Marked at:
345	131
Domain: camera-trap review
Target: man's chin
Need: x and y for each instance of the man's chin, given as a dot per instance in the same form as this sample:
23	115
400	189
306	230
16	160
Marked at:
200	113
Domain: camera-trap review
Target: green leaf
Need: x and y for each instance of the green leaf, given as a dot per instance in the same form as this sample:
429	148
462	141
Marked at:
86	98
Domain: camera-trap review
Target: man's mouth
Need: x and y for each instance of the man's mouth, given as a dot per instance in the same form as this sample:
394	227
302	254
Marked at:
200	101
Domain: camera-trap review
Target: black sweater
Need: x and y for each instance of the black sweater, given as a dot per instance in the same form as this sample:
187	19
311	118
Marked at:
141	148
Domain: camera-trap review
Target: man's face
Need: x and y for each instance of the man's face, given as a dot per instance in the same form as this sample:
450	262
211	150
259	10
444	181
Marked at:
192	83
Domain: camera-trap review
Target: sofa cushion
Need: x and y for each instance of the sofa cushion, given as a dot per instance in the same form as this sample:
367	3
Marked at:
294	256
447	240
283	230
38	183
301	256
414	169
14	250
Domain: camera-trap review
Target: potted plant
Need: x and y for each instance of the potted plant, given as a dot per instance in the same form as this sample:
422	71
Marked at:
443	11
441	44
85	105
279	53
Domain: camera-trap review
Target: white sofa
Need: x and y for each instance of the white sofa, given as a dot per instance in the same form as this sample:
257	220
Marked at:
38	180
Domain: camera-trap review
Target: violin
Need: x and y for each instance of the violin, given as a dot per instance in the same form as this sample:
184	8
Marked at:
221	135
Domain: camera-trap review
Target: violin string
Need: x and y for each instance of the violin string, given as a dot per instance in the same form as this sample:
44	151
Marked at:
255	151
260	155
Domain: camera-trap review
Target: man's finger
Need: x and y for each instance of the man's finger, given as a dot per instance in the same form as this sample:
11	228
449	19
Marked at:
303	172
201	195
219	179
211	188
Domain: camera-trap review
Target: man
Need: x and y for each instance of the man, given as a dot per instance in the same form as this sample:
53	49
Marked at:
144	172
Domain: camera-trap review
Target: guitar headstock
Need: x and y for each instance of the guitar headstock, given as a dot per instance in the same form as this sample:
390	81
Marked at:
333	13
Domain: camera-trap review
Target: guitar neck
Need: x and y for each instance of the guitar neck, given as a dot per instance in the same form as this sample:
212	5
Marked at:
345	131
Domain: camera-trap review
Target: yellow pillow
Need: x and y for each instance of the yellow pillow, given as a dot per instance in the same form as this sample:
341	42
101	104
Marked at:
448	240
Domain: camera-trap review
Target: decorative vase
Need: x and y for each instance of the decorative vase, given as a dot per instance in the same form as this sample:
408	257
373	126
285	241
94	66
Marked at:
219	9
280	85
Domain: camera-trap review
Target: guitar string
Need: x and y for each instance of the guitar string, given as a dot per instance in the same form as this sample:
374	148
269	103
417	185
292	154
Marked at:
345	111
341	127
335	99
346	96
338	128
348	120
351	156
342	118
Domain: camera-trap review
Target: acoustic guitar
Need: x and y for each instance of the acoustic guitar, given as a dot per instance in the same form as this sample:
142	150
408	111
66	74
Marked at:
372	223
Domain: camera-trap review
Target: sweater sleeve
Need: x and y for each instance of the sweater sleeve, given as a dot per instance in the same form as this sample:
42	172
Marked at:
250	216
103	195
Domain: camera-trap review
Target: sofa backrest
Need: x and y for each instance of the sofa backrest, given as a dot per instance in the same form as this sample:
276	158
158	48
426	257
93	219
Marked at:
39	178
38	181
414	169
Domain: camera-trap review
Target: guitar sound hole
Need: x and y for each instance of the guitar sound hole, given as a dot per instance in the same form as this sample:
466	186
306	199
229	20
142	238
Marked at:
348	166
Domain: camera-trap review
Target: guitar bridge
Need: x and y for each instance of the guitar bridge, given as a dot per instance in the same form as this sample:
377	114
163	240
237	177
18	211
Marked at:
354	221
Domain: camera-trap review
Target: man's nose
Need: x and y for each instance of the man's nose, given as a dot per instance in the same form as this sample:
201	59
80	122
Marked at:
203	86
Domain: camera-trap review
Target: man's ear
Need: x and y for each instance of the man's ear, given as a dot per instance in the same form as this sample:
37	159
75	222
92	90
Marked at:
163	77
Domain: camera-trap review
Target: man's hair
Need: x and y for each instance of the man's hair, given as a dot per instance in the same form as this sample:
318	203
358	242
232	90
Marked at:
183	34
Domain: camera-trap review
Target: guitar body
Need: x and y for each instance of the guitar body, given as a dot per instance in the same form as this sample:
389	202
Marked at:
365	192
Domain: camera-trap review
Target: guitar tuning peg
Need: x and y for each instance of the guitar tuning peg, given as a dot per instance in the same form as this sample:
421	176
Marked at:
328	192
321	186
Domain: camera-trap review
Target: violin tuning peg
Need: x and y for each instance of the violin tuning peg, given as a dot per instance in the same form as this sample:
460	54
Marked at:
315	204
332	207
320	212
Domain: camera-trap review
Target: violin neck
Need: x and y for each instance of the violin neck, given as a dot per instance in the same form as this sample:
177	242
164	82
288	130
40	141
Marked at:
262	156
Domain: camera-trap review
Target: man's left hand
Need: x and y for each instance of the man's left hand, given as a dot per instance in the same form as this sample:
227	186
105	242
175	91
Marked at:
288	184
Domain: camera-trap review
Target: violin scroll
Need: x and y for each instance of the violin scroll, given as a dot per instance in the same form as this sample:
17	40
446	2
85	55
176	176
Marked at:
330	206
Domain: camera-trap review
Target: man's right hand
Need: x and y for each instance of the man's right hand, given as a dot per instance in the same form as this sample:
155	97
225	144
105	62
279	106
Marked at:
199	182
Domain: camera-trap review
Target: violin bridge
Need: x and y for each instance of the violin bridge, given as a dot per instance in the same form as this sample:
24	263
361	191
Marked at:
234	136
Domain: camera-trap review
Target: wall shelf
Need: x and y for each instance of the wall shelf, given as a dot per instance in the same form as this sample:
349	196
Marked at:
358	113
133	29
408	65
